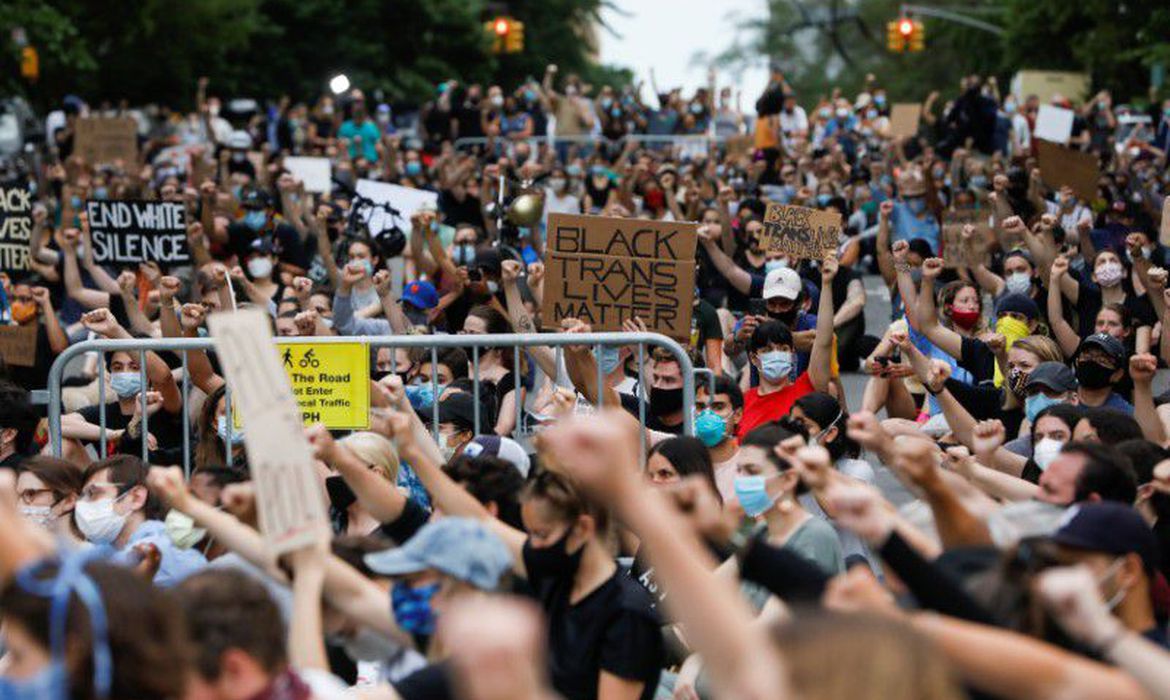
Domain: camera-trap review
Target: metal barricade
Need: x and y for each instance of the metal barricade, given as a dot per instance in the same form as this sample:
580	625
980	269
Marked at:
698	142
435	343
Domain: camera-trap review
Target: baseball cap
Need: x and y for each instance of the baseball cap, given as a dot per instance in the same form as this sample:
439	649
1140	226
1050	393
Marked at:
462	548
264	246
1109	527
253	198
1054	376
1110	345
421	294
783	282
503	448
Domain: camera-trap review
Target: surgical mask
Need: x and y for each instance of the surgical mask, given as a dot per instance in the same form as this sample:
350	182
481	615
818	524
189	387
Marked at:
40	515
871	114
775	265
823	199
446	448
221	429
1111	572
1019	283
609	357
978	182
752	494
260	268
665	402
1010	107
1092	375
557	183
126	384
368	645
1036	403
464	254
101	193
776	365
422	396
412	607
842	113
413	168
1109	274
181	529
1045	451
368	267
710	427
98	522
255	219
917	205
493	287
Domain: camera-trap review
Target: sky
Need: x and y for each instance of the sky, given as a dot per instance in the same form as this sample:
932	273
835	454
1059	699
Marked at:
666	34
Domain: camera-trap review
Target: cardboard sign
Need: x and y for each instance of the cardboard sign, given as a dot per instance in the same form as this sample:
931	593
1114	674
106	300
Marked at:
1061	166
289	497
316	173
904	119
126	231
1054	124
801	232
604	270
106	140
330	382
15	228
18	345
954	252
1164	232
408	201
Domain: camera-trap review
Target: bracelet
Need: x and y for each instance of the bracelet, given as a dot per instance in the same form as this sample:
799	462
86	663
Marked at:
902	267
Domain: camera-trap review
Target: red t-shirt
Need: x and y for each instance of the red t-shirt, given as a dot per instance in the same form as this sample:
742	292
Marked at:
758	410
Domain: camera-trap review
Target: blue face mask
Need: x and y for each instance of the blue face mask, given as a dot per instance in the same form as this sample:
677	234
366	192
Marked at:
573	170
823	199
75	203
221	429
529	95
710	427
978	182
422	396
775	265
753	495
255	219
101	193
413	168
1033	405
464	254
917	205
412	607
368	267
126	384
776	365
609	357
50	682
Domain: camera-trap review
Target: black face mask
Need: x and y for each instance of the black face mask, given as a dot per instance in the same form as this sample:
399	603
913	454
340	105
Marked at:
379	374
1094	376
664	402
788	317
555	559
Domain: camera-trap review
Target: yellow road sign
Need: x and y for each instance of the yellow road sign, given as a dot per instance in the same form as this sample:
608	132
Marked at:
331	382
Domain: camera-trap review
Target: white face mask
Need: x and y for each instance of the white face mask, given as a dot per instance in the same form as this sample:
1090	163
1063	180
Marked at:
98	521
181	529
40	515
260	267
1045	451
446	448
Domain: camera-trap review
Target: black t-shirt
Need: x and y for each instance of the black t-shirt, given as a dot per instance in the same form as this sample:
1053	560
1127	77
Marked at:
736	300
37	376
1089	304
410	521
428	683
978	359
459	212
612	629
292	250
630	403
166	429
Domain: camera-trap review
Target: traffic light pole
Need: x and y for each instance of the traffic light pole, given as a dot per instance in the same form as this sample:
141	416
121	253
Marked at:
947	15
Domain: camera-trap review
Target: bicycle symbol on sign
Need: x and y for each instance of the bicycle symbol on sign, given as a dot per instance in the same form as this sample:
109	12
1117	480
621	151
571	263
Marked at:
310	360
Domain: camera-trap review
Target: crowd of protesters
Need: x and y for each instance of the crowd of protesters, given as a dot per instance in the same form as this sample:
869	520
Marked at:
508	527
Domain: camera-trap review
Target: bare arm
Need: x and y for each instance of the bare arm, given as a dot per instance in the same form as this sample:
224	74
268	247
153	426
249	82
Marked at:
819	364
1066	335
739	278
1141	370
944	338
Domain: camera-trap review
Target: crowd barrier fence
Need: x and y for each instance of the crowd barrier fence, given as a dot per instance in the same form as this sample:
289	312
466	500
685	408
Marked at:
474	344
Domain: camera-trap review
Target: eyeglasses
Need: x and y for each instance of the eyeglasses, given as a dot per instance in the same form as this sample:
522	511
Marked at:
96	491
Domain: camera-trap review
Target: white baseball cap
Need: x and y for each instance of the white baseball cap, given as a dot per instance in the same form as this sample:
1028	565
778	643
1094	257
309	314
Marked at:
503	448
784	283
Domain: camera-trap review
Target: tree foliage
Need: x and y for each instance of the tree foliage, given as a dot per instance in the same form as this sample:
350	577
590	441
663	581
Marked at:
155	50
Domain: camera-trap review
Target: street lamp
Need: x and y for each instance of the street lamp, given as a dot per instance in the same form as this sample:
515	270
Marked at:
339	83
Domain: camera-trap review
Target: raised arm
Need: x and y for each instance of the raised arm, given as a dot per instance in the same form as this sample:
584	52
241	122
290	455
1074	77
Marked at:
819	365
89	298
1066	335
1142	369
58	341
884	255
522	322
944	338
739	278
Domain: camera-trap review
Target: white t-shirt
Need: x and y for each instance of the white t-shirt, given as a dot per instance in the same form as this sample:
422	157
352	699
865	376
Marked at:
790	124
1070	220
1021	135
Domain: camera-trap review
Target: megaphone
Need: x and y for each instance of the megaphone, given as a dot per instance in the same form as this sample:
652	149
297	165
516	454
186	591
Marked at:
526	208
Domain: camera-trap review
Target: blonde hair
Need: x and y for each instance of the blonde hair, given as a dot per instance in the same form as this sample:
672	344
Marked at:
376	451
1041	346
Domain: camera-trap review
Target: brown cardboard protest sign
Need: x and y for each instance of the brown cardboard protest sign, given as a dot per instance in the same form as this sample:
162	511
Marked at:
18	345
604	270
289	497
904	119
1061	166
954	252
800	232
1164	232
107	139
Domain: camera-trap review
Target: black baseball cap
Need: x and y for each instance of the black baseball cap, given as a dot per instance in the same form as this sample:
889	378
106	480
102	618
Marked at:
1110	528
1054	376
458	408
254	198
1110	345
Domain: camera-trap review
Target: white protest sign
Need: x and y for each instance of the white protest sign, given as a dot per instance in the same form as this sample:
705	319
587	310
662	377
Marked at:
1054	124
316	173
289	497
406	200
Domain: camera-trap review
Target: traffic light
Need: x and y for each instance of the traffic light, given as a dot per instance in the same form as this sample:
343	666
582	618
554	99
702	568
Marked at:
917	39
895	42
507	35
30	64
